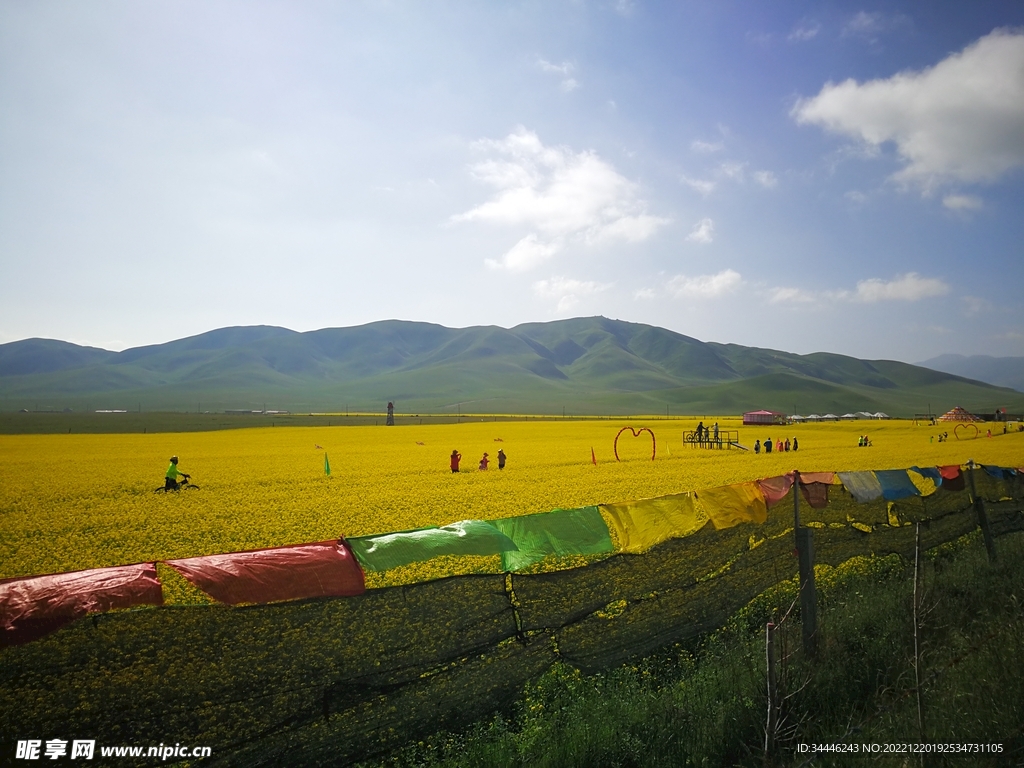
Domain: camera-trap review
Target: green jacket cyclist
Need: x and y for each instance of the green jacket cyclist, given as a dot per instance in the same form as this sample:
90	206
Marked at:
171	478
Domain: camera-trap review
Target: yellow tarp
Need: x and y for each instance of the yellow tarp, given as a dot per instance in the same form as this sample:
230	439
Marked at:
731	505
639	525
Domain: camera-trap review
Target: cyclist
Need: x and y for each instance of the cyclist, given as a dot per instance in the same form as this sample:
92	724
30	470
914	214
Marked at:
173	473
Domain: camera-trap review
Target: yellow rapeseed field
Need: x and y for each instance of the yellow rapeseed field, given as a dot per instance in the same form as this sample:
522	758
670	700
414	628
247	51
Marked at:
79	501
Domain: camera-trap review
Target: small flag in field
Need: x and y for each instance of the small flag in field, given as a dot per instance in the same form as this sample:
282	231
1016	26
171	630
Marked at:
327	466
593	458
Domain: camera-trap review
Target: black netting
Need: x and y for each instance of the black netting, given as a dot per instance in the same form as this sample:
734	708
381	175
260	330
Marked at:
337	679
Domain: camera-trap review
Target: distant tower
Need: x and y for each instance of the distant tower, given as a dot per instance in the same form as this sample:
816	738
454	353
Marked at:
391	415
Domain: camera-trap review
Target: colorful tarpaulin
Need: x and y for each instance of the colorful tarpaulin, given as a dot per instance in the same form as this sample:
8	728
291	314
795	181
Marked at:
775	489
952	478
319	569
639	525
730	505
896	484
561	532
814	486
37	605
926	479
466	537
864	486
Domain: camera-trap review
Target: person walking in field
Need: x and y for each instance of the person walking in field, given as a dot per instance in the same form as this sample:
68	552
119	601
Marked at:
768	445
757	446
501	458
172	475
456	458
483	462
795	444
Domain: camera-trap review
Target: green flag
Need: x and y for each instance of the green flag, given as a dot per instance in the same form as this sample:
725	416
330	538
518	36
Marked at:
327	466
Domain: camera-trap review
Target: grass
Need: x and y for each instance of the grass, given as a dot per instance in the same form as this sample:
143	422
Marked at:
706	705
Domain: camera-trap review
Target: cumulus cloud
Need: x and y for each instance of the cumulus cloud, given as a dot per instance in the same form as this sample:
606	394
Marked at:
803	32
974	304
908	287
704	186
525	255
556	194
961	120
567	290
870	26
704	286
729	172
645	294
706	147
790	296
565	70
962	202
703	232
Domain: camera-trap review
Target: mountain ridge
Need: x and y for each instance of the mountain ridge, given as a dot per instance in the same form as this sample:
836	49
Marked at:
592	364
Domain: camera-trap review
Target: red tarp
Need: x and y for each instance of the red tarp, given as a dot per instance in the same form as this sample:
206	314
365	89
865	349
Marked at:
775	488
952	478
321	569
815	487
37	605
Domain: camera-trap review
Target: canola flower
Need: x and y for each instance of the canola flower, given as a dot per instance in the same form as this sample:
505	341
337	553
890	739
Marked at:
70	502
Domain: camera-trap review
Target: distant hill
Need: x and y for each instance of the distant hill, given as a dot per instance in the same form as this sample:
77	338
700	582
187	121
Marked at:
1000	371
589	365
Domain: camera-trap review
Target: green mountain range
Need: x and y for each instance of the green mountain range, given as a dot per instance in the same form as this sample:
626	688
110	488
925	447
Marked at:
589	365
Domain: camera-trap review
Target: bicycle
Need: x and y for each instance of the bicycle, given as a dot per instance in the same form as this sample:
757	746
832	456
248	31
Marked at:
185	485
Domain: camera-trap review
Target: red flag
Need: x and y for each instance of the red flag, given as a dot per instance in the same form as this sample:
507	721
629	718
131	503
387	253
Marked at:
593	458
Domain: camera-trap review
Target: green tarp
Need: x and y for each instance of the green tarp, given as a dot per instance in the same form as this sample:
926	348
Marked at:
561	532
466	537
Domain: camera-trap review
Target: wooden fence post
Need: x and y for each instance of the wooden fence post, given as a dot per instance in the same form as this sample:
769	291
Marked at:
808	593
981	514
771	725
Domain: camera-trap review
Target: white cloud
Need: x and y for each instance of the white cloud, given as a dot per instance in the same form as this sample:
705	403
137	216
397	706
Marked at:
962	202
704	286
869	26
567	290
729	171
975	304
525	255
557	194
803	32
702	232
704	186
960	120
790	296
908	287
645	294
732	170
624	7
565	69
706	147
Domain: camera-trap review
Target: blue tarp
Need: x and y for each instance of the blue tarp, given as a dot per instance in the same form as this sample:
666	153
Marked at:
896	484
863	485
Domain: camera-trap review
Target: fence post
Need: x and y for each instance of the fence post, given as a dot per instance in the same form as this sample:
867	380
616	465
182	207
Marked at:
773	682
808	593
981	514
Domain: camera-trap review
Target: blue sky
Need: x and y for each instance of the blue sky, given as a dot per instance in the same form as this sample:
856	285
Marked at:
802	176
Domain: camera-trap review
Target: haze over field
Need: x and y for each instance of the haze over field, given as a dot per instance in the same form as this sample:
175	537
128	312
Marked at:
842	178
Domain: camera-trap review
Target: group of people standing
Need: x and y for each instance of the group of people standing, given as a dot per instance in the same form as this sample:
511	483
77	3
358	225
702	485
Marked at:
780	445
706	435
485	461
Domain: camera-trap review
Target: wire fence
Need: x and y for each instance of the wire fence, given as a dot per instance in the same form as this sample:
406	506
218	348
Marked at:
332	680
